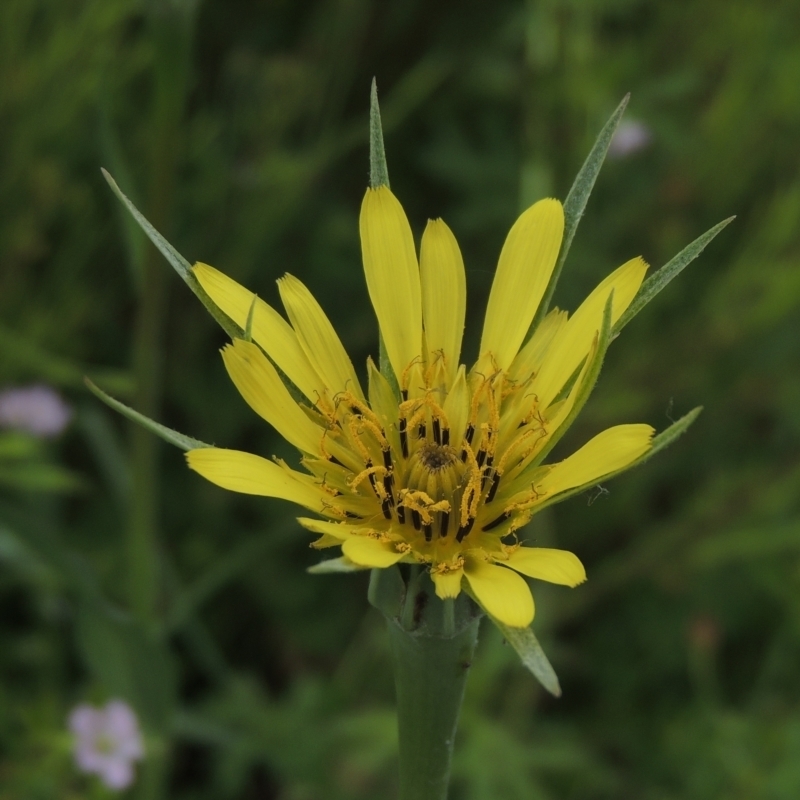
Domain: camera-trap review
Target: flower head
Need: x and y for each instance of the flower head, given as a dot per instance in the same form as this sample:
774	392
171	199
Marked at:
37	409
444	467
107	742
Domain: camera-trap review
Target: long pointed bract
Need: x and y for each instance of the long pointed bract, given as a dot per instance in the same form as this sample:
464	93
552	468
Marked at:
578	197
178	262
658	280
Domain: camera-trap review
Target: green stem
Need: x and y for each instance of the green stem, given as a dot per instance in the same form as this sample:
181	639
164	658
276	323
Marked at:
432	644
430	676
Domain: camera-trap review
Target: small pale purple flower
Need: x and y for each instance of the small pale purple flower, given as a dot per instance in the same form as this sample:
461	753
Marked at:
631	137
36	409
107	742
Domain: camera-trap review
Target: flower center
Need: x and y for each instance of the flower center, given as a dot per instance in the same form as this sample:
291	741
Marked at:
436	457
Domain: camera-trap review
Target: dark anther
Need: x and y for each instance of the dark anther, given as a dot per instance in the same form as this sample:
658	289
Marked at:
351	515
387	487
446	436
421	431
387	458
465	529
416	519
373	482
444	524
428	532
481	457
403	436
355	410
335	460
386	507
404	394
493	487
468	436
495	522
401	514
437	431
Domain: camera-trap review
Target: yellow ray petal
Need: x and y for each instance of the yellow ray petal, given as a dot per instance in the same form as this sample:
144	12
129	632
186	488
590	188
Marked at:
392	273
263	390
383	402
546	564
317	337
448	584
609	451
530	358
444	293
250	474
501	592
574	340
270	329
368	552
523	272
456	408
339	530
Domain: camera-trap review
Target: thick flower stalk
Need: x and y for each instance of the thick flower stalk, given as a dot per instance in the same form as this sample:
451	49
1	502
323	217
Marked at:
445	471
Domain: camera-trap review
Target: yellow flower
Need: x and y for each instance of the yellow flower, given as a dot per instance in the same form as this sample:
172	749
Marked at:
446	471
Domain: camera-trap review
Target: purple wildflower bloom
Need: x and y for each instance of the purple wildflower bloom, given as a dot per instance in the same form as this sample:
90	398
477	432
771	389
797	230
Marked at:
107	742
37	409
630	137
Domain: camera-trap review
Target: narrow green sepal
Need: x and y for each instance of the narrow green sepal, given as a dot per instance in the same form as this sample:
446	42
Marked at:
178	262
576	201
662	440
589	381
386	591
524	641
334	565
385	367
669	435
167	434
658	280
248	328
378	171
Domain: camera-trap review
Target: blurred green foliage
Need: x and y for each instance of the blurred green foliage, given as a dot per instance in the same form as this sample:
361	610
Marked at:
679	658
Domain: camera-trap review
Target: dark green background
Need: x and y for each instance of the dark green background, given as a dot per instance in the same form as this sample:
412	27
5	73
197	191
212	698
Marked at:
240	129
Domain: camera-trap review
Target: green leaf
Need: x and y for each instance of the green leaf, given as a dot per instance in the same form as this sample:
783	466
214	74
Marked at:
178	262
332	565
167	434
589	381
378	171
576	201
662	440
656	282
524	641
